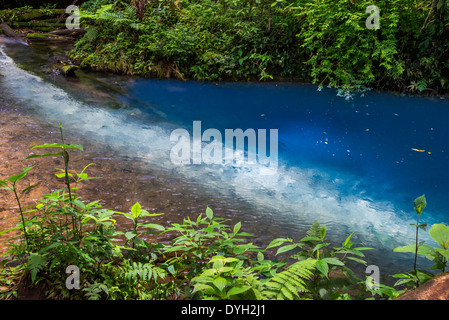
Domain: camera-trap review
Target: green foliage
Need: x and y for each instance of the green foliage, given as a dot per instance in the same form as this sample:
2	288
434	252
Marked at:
226	279
205	258
9	279
326	42
287	284
439	233
313	246
192	42
36	263
10	184
420	203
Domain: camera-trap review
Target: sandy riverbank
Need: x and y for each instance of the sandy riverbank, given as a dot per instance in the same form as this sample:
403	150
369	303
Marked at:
122	183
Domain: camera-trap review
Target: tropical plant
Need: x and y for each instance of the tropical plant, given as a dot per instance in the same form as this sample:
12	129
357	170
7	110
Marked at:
439	233
10	184
313	246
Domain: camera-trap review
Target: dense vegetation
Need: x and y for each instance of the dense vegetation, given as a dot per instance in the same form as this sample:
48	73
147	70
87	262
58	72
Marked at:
9	4
204	259
326	42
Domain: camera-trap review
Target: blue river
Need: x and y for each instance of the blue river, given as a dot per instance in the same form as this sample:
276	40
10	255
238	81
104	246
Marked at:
355	164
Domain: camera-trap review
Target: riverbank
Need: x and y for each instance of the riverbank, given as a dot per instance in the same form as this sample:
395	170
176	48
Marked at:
216	42
165	179
122	181
212	42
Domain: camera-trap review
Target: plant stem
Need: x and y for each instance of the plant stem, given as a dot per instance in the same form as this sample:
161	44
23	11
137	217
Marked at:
67	178
416	250
21	215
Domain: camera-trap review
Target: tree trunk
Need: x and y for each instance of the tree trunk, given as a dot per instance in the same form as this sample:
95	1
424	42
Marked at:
64	32
11	33
141	8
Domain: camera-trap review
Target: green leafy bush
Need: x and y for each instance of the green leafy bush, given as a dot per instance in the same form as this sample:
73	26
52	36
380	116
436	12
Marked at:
205	258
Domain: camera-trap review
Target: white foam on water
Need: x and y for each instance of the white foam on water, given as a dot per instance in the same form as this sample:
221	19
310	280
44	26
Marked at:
304	195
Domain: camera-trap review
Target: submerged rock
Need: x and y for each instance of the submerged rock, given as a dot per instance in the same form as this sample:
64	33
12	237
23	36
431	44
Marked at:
69	70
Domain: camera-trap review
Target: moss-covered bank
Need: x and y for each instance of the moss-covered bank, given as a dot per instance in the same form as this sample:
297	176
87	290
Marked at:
324	42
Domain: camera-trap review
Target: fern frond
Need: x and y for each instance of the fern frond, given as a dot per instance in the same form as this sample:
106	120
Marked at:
314	230
91	34
287	284
145	272
36	263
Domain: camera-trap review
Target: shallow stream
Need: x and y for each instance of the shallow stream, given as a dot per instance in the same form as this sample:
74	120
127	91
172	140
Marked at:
355	165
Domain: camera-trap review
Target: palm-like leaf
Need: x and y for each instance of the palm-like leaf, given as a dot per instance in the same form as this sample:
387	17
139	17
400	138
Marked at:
287	284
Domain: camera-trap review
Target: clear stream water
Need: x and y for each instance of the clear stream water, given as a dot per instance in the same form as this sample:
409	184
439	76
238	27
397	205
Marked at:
354	165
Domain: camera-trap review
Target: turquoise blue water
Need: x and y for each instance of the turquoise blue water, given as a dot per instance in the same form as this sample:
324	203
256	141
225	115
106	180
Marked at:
355	165
369	138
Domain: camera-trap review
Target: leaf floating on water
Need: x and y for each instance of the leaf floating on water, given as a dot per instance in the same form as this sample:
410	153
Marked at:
418	150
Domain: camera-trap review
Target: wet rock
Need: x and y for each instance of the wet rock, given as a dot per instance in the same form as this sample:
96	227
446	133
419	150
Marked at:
434	289
69	70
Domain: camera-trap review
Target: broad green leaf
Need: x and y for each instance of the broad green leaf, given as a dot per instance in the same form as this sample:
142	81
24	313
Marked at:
440	233
238	290
136	210
198	220
171	269
59	154
205	288
82	176
333	261
153	226
322	266
79	204
29	188
277	242
237	227
19	176
220	283
60	175
49	145
245	234
420	203
88	217
58	145
443	252
306	239
423	249
347	240
74	146
130	235
9	230
209	213
357	260
286	248
319	246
